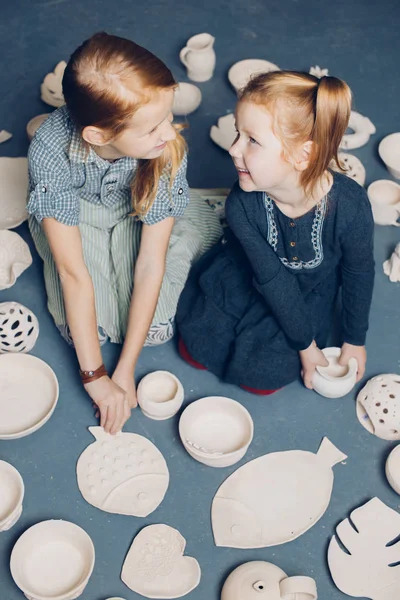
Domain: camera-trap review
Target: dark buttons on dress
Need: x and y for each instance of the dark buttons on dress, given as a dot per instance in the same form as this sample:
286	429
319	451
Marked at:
44	189
180	191
293	244
170	209
292	224
295	258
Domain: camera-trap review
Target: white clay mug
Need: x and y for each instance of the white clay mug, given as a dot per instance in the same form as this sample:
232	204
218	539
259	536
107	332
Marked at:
384	196
198	56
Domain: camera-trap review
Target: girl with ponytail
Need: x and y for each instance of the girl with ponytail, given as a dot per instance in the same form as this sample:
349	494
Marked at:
258	307
110	213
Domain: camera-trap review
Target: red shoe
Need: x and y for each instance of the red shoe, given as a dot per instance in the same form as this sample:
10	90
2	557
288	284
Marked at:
258	392
183	351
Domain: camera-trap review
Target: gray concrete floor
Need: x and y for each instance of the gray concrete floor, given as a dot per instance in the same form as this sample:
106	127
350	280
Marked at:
357	41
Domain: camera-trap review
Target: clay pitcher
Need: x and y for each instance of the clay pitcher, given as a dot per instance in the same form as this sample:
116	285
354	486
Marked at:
198	56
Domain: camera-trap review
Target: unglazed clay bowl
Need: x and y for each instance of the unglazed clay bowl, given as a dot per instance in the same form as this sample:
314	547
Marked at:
186	100
52	560
224	134
393	469
335	381
11	495
241	72
389	151
384	196
216	431
160	395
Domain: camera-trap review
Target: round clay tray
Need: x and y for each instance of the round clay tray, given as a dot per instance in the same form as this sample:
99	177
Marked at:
52	560
240	73
216	431
11	496
393	469
28	394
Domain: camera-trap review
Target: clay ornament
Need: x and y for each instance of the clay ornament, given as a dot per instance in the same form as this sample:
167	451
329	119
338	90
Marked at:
35	123
378	406
5	136
15	257
241	72
318	72
124	473
275	498
160	395
353	167
366	563
186	100
52	560
391	267
13	191
362	127
389	151
259	580
28	394
155	566
11	496
51	88
335	381
19	328
393	469
216	431
224	134
198	56
384	196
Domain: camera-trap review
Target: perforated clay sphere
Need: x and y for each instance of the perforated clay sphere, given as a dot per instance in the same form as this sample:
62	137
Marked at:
19	328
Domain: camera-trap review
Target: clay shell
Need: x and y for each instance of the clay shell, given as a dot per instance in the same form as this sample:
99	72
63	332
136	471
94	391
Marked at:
52	560
224	133
216	431
11	496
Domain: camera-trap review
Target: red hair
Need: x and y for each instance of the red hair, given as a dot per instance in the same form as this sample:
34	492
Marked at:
105	82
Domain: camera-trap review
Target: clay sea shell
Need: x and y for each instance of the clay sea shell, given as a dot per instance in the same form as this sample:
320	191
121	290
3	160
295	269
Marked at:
13	191
51	88
53	560
155	566
15	257
246	514
124	474
378	406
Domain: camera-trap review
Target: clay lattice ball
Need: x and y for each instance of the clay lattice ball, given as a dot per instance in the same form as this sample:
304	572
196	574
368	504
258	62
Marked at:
19	328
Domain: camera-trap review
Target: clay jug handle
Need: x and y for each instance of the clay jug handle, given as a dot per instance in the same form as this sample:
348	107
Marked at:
298	588
182	55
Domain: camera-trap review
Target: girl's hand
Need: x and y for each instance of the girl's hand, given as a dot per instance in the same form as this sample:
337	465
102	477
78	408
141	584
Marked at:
126	381
112	402
357	352
310	358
